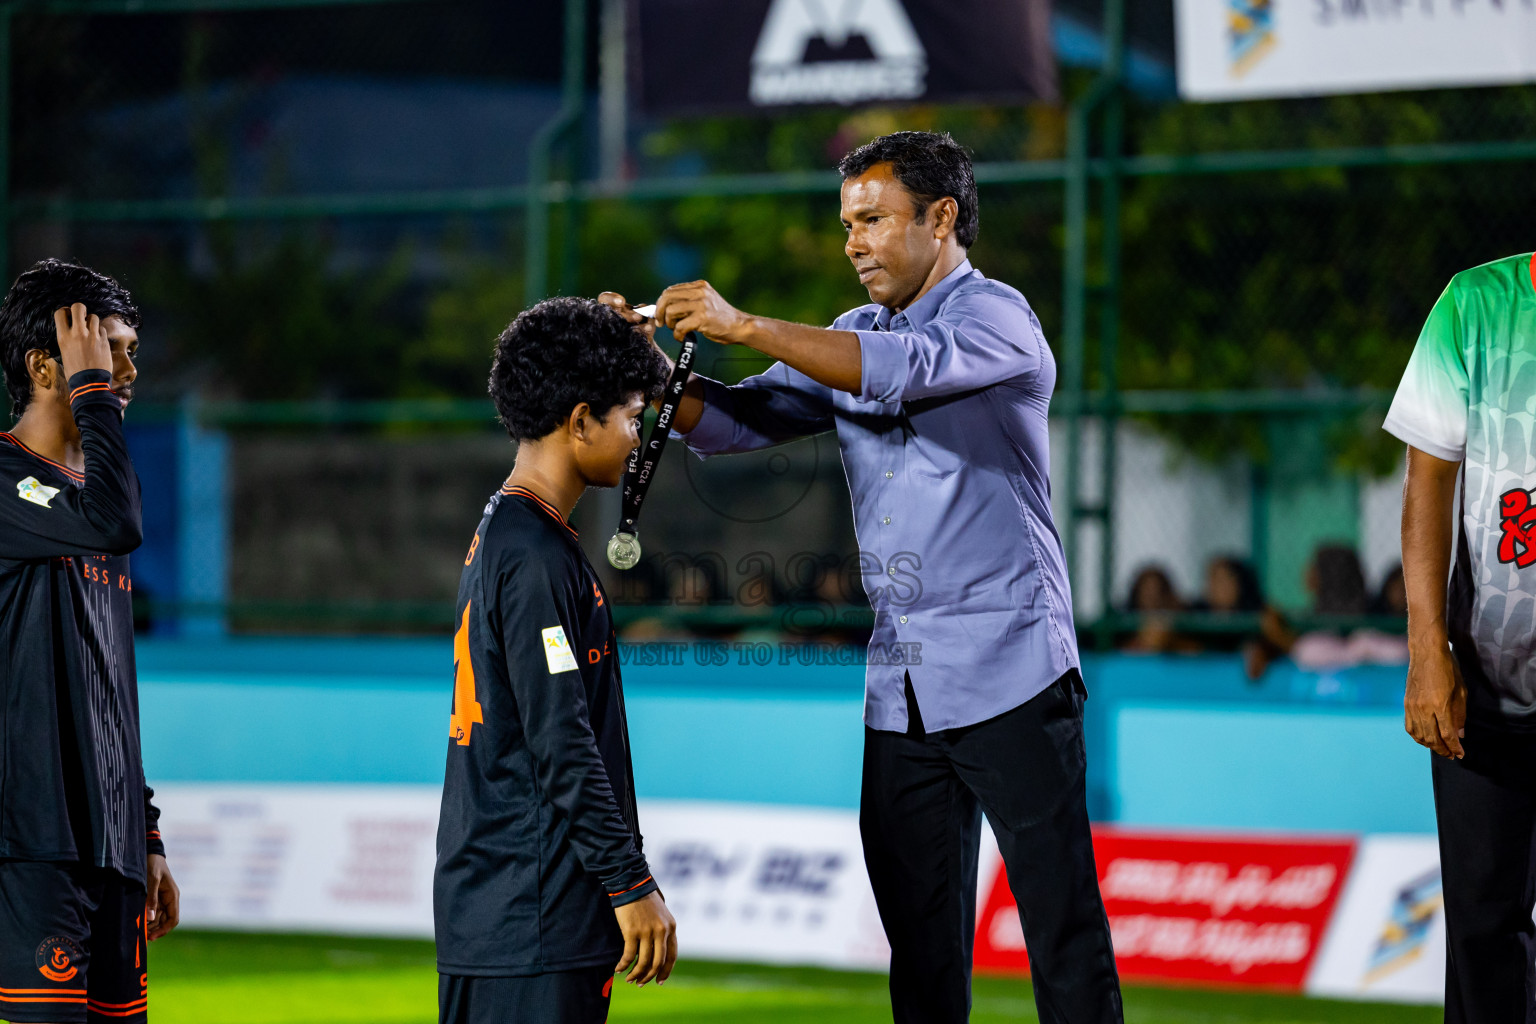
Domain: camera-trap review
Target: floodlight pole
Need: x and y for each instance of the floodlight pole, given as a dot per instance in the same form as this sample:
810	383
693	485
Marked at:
536	238
1105	94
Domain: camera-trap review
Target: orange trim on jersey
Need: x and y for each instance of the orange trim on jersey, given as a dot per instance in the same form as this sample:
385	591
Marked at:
524	492
96	1009
518	489
13	439
34	991
85	389
633	887
137	1004
75	1000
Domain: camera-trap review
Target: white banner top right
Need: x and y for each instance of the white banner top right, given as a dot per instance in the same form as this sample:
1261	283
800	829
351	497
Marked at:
1248	49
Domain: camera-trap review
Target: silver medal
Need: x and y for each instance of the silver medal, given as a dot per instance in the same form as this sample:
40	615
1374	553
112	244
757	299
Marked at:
624	550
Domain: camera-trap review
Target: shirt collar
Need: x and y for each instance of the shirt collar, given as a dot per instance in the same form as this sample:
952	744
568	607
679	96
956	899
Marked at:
926	308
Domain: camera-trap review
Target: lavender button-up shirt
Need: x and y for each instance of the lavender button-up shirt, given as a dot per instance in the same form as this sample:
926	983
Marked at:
946	450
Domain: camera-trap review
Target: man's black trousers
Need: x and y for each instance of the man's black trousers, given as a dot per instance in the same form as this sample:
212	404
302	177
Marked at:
920	816
1485	805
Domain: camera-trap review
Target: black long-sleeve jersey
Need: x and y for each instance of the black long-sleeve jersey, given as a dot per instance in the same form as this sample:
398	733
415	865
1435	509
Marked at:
538	839
71	773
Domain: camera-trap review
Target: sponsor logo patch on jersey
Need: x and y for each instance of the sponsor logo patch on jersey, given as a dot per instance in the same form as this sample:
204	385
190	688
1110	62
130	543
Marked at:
557	651
1517	518
58	958
38	493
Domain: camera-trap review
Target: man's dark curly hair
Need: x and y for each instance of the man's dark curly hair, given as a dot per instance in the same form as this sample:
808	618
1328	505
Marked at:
26	316
565	351
930	165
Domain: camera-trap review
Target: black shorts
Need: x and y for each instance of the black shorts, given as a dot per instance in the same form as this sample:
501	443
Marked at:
72	945
560	997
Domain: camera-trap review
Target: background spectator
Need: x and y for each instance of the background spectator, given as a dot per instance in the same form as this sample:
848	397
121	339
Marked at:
1338	588
1392	599
1155	603
1233	593
1231	587
1336	581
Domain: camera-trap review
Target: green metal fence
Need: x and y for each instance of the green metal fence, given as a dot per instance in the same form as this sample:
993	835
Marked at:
1107	165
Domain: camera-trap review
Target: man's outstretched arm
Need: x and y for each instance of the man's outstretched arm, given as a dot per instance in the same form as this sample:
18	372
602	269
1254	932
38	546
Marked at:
779	405
829	357
1435	706
981	338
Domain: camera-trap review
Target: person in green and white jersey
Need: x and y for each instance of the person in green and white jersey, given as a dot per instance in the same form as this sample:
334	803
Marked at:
1467	410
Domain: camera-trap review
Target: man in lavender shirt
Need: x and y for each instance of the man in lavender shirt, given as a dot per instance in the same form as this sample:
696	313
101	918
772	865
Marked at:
938	391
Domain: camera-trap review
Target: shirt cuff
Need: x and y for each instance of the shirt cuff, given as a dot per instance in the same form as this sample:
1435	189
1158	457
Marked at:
634	893
1408	434
153	844
715	429
92	387
883	366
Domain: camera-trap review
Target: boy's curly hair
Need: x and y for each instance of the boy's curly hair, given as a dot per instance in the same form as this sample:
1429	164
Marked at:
565	351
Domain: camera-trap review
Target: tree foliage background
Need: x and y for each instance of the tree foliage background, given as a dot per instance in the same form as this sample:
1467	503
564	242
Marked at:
1309	278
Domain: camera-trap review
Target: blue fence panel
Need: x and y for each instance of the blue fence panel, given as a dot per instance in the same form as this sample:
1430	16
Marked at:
1183	741
1270	767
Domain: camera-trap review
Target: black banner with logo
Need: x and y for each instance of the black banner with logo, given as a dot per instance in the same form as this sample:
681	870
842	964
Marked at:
695	56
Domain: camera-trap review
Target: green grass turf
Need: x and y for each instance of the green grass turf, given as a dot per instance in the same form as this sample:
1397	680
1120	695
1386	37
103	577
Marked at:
221	978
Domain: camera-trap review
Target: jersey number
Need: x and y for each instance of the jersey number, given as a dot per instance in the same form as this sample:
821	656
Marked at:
466	710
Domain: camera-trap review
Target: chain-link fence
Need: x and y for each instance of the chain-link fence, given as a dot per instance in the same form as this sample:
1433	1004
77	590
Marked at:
331	204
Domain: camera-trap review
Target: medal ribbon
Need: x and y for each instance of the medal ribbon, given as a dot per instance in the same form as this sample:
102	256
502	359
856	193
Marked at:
643	460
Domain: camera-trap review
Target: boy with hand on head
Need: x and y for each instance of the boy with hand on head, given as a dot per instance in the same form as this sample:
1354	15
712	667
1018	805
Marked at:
541	891
83	878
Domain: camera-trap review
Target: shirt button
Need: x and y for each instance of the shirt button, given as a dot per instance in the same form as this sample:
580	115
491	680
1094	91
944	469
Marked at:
889	474
892	570
903	618
886	520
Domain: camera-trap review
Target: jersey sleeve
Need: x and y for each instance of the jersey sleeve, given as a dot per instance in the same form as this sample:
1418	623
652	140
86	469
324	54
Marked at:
538	616
1429	410
153	844
101	515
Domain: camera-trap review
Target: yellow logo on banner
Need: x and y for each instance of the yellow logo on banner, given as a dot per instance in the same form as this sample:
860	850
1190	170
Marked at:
1250	33
1407	928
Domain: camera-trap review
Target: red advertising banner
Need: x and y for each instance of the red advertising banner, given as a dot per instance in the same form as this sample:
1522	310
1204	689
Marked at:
1233	911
